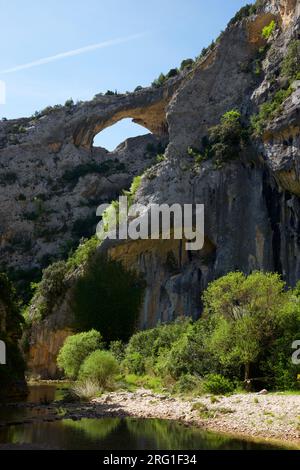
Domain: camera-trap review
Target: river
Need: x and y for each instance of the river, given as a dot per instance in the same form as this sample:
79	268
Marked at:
39	424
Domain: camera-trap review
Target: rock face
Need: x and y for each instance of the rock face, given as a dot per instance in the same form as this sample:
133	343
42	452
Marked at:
52	178
252	211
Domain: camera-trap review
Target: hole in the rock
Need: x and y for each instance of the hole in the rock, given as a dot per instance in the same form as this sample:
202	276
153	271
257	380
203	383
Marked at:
114	135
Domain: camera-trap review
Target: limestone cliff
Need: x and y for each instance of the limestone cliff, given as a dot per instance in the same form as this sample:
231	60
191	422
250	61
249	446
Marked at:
251	200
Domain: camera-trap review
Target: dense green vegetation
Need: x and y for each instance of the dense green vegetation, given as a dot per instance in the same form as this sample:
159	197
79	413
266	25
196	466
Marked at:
269	110
242	340
104	168
290	66
224	142
107	298
244	12
50	288
10	332
76	349
289	72
100	367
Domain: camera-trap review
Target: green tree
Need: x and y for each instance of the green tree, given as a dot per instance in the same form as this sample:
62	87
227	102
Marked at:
107	297
11	321
75	349
246	310
99	367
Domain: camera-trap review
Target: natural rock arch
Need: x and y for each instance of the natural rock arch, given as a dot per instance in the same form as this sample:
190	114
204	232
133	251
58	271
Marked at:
147	108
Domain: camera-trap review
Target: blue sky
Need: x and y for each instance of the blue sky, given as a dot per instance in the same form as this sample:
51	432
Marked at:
157	35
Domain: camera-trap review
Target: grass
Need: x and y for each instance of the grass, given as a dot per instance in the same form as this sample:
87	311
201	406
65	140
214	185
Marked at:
86	390
206	413
132	382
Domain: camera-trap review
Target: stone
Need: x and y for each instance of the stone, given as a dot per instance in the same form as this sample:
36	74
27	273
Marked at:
252	208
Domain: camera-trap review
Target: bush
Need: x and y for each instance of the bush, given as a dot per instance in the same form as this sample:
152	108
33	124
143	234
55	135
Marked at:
49	289
69	103
186	63
188	383
268	30
85	227
10	332
75	350
99	367
147	351
226	139
135	362
158	82
244	12
107	298
269	110
291	63
84	391
104	168
172	73
217	384
117	349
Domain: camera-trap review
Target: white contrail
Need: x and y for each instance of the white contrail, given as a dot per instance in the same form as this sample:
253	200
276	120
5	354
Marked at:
82	50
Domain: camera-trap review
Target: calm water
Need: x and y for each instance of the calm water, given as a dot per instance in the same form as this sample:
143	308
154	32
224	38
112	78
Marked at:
106	433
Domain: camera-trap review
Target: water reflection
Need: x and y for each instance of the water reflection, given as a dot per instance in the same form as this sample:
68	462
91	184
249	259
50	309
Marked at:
104	433
120	434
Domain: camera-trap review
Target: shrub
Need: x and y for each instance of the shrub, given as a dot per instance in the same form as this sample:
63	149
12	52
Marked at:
205	51
75	350
268	30
69	103
227	138
10	332
160	158
135	362
172	73
149	349
50	288
188	383
85	227
269	110
84	390
217	384
104	168
186	63
99	367
291	63
159	81
117	349
83	253
196	155
244	12
107	297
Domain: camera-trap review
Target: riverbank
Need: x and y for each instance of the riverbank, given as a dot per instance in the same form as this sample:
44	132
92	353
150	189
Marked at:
271	417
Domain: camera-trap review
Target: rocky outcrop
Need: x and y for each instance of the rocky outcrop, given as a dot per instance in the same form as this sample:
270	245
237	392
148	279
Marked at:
252	211
52	178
